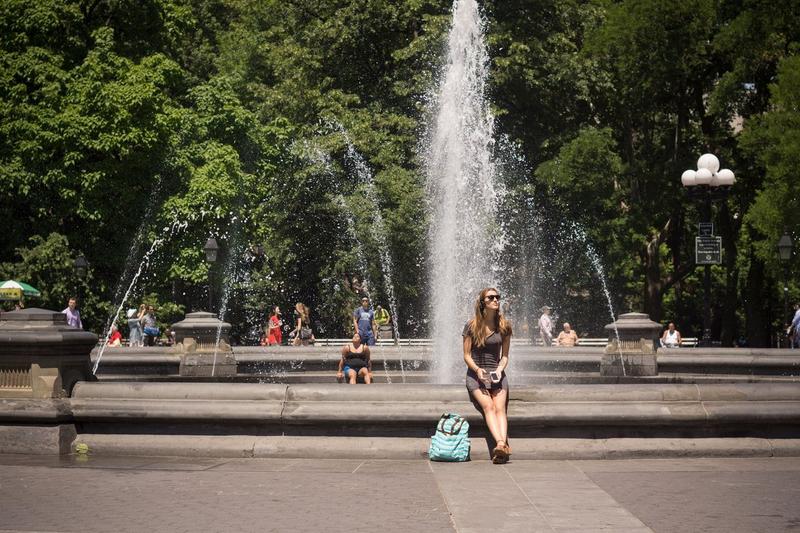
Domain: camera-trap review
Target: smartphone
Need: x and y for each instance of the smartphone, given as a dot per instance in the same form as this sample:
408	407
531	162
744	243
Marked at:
495	377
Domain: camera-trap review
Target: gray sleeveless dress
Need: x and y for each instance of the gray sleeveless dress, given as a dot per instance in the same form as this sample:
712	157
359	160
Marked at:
486	357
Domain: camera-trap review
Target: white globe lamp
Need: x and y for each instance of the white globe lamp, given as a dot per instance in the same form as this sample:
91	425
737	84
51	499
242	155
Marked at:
703	176
688	178
708	161
725	177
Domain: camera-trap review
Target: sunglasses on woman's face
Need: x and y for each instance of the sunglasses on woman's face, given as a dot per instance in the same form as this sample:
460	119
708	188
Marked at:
491	297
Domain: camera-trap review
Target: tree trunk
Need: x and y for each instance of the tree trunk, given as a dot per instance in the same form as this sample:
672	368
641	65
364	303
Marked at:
653	282
728	232
756	312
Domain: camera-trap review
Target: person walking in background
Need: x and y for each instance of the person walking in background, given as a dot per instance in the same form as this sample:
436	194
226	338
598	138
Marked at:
567	337
546	327
671	337
303	334
150	329
274	335
487	339
73	315
794	328
382	317
364	322
383	324
134	326
355	362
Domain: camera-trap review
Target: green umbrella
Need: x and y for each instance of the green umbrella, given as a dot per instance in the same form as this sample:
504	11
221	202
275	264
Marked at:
13	290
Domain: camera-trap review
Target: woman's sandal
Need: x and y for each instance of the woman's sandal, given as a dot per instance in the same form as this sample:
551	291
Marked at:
500	454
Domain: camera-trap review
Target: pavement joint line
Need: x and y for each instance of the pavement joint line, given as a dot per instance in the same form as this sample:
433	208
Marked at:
211	467
444	498
546	521
571	463
287	466
359	466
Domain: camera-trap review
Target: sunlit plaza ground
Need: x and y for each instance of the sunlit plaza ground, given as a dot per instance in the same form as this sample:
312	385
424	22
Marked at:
204	494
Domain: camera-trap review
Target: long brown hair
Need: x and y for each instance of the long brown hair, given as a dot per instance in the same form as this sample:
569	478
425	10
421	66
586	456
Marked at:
477	325
302	311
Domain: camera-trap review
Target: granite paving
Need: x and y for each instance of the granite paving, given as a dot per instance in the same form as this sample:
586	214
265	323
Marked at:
99	494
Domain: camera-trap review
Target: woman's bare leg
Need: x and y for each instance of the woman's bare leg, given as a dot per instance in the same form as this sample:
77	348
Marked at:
351	376
499	400
364	372
485	401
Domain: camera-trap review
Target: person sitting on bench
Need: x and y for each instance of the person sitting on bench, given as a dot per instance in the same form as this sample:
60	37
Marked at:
671	337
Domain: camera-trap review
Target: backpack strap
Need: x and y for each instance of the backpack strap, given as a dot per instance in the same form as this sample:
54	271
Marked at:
456	427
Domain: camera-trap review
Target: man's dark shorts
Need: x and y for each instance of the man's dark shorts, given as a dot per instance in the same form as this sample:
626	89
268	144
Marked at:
367	338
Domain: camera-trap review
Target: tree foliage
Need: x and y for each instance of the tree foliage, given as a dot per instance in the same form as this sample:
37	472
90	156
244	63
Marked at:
133	131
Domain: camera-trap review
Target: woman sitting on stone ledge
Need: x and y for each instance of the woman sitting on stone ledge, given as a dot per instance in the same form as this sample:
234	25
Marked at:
487	338
355	362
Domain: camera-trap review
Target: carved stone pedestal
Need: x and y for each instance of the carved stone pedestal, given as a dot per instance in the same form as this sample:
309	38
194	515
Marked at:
41	359
203	340
40	355
634	352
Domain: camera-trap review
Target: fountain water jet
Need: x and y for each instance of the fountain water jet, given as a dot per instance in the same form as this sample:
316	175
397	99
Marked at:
172	229
462	187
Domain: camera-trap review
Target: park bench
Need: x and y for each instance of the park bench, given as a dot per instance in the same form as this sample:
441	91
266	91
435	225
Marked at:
687	342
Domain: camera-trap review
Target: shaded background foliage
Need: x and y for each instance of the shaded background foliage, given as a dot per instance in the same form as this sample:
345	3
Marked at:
124	124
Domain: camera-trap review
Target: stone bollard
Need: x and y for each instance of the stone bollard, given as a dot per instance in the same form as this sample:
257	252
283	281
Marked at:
634	354
201	355
40	355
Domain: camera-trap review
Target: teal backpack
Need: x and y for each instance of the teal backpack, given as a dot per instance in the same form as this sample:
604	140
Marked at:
451	440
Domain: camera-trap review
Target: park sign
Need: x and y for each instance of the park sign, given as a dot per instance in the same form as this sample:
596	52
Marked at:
708	250
15	290
10	293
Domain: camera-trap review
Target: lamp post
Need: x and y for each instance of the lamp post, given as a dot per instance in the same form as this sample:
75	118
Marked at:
707	184
81	270
211	248
785	253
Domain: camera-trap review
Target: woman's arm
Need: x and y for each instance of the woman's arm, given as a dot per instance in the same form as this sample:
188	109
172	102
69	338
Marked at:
501	366
340	372
369	358
468	357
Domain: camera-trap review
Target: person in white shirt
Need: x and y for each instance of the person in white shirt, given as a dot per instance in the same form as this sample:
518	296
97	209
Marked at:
671	337
546	327
794	329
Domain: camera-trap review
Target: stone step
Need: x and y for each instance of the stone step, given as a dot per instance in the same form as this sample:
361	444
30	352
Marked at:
395	376
403	407
595	420
164	362
316	447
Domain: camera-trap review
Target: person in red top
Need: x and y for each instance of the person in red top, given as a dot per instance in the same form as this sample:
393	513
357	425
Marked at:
116	337
275	337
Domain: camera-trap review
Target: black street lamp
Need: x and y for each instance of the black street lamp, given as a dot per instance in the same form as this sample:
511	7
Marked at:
211	248
707	184
785	253
81	270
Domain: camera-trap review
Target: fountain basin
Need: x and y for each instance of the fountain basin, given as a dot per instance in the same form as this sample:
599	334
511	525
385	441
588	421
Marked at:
528	365
327	420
